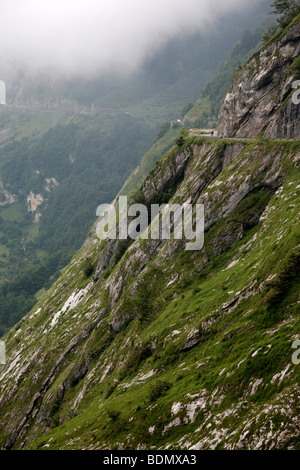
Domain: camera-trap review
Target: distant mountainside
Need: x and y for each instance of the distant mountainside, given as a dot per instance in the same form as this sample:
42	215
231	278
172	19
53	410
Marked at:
206	110
168	79
51	182
67	146
141	344
203	113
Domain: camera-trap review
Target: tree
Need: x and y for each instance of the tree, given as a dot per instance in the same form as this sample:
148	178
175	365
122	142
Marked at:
287	9
270	33
181	139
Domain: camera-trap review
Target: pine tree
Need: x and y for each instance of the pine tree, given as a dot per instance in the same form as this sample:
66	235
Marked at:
287	9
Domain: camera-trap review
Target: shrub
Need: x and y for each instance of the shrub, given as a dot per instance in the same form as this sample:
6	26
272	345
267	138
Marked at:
181	139
110	390
138	354
113	414
270	33
278	287
158	389
87	267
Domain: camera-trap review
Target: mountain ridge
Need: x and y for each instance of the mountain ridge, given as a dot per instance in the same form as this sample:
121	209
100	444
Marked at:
28	241
156	347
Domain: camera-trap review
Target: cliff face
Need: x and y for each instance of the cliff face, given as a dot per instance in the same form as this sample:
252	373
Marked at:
261	97
160	347
163	347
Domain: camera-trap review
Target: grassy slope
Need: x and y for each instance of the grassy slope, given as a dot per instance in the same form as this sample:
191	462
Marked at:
28	124
234	379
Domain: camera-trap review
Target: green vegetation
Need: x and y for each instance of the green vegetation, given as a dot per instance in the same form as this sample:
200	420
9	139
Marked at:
296	65
168	348
74	167
287	276
18	295
87	267
158	389
186	108
88	157
286	12
180	141
237	297
113	414
158	149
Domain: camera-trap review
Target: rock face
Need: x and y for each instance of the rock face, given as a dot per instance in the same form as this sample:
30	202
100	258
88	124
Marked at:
158	337
34	201
153	314
6	198
50	98
262	98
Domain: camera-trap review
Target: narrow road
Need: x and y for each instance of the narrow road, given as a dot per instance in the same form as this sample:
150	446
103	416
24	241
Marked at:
202	133
53	111
207	134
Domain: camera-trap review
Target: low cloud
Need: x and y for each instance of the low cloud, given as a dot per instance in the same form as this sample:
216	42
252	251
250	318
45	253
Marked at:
90	37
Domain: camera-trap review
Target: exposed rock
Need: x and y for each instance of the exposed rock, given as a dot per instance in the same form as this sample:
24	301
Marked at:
34	201
192	340
7	196
50	184
261	97
105	258
176	422
122	334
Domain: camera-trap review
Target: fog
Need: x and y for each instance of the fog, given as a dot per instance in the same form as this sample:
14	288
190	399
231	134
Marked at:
92	37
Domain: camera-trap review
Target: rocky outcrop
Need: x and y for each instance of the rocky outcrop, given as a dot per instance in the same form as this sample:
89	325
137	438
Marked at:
100	353
262	99
88	340
34	201
6	198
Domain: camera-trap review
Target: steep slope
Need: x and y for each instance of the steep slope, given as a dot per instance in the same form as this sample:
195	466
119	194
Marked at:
261	98
142	344
167	347
51	182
